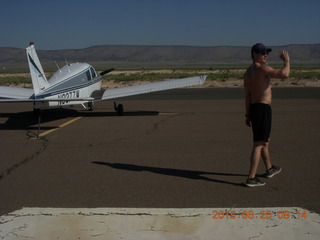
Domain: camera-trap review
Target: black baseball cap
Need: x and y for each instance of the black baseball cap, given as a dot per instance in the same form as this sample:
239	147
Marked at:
260	48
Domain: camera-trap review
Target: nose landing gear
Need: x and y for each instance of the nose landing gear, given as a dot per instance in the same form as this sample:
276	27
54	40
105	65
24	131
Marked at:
90	106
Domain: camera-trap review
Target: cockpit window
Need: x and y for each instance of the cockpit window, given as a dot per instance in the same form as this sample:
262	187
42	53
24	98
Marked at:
93	72
88	75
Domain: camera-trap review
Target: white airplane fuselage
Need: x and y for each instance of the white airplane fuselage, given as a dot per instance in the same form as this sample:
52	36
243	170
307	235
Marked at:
76	80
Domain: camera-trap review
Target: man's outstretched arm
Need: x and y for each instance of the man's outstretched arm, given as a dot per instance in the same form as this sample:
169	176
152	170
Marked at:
279	73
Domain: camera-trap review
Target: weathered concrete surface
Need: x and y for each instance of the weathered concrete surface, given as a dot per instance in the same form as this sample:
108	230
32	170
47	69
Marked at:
143	223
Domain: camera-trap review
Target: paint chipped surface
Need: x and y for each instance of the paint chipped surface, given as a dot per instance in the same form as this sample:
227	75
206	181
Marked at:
143	223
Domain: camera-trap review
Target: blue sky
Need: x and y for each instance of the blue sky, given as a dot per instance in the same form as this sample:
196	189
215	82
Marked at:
65	24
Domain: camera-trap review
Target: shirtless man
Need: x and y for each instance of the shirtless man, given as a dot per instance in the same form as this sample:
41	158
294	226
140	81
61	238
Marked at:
258	108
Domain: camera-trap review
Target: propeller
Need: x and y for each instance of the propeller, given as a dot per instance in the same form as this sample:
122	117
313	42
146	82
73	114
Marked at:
106	71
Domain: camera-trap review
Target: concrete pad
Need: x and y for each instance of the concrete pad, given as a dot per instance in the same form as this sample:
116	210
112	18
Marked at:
159	223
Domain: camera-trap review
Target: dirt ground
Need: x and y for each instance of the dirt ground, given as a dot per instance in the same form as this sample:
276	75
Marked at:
230	82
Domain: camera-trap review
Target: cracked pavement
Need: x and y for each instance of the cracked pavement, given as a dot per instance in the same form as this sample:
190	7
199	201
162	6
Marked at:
142	223
163	153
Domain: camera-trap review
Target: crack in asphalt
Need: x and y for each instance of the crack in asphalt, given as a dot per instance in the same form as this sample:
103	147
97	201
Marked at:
35	154
160	122
155	126
44	140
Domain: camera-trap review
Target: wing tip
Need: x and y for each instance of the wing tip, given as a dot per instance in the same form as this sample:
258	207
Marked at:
203	78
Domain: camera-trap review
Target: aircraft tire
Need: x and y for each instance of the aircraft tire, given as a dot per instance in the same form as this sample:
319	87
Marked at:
120	109
90	106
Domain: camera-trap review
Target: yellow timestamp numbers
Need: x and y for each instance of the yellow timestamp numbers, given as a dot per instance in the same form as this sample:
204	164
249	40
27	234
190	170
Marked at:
263	214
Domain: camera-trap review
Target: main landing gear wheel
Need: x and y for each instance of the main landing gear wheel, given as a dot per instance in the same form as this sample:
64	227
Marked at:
90	106
118	109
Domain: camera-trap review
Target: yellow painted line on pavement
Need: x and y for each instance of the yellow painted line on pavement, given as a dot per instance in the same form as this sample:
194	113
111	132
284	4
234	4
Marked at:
60	126
78	118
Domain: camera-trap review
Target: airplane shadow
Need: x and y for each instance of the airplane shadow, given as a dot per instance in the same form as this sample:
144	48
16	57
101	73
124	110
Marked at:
27	120
196	175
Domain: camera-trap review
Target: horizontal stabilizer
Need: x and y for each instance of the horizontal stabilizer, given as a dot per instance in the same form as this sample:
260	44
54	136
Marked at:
152	87
15	92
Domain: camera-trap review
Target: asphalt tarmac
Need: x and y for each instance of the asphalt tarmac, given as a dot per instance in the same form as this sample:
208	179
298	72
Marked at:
177	149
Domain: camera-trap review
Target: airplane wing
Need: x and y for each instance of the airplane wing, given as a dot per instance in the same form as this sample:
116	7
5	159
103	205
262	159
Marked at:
148	88
13	94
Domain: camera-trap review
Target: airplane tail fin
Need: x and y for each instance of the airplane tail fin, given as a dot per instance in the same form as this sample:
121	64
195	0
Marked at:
39	80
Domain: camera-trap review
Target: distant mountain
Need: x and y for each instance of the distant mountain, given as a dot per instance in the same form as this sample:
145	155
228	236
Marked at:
162	55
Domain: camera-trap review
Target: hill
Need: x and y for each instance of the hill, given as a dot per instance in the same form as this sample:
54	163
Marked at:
146	56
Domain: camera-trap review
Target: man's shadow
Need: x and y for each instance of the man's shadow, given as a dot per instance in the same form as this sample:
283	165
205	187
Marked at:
196	175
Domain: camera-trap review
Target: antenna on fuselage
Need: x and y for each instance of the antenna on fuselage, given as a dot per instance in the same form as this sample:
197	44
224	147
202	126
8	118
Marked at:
66	61
57	66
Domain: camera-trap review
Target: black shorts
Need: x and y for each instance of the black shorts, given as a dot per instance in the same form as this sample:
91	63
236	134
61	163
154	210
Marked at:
261	118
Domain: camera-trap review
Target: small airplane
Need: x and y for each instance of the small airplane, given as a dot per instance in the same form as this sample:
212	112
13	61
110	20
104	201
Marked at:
79	83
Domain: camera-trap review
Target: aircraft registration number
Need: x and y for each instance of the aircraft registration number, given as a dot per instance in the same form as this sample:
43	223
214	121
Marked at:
71	94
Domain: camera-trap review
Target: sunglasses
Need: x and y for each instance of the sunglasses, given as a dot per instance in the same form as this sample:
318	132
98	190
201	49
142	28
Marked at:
264	53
